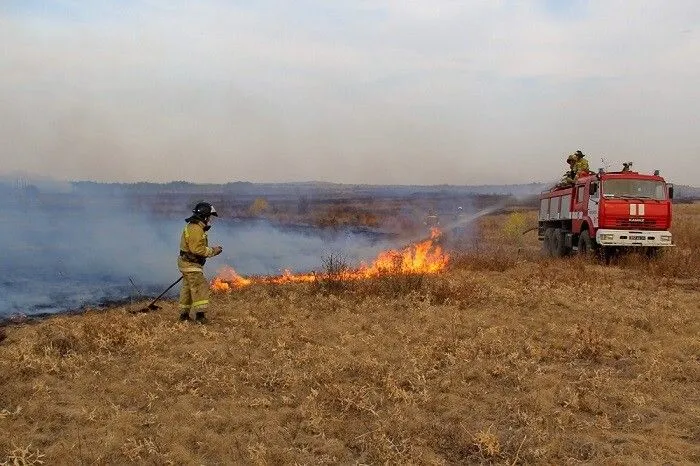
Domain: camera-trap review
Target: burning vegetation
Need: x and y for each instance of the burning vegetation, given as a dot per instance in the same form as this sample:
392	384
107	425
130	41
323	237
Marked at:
424	257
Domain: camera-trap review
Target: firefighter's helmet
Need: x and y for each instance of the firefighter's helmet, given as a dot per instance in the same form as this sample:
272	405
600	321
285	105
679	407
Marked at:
204	210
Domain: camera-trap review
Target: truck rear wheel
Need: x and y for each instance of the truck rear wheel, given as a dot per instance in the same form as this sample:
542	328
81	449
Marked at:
585	244
547	242
558	245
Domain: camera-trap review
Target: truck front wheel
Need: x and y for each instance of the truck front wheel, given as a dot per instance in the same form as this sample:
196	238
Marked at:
585	244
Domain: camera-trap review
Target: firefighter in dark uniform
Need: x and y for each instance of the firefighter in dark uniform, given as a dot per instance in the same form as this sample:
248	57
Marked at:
194	251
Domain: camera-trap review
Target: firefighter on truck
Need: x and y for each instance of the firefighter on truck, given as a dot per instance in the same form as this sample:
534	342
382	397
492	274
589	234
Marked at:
578	166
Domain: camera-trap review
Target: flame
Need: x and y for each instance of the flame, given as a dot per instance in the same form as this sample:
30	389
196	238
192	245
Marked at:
425	257
227	279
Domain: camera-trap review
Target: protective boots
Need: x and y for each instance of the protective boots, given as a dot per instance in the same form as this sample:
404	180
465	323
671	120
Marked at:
199	317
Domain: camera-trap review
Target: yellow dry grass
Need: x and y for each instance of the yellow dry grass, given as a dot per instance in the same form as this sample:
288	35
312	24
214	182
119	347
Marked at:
506	358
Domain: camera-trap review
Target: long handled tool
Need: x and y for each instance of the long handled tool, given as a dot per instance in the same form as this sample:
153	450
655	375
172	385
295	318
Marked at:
152	306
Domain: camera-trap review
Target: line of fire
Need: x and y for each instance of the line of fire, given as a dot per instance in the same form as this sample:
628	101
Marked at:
424	257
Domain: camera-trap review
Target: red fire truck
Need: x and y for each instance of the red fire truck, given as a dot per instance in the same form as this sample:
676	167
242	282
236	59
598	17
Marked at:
606	211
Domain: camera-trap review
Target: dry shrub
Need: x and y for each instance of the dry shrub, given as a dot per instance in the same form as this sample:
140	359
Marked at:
391	285
441	291
487	444
24	456
686	234
345	215
514	226
681	261
384	448
570	270
641	323
588	343
58	341
670	263
444	291
334	268
496	260
436	289
139	450
259	207
391	282
507	228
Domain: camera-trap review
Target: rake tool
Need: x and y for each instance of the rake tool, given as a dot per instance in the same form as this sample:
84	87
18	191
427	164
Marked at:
152	305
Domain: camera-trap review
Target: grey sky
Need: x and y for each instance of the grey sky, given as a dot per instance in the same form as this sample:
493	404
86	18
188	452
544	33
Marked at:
424	92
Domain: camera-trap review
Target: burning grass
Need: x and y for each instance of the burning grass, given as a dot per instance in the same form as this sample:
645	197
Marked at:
423	257
503	358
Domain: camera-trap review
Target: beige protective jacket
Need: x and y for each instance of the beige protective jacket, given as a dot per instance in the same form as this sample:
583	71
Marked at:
194	241
581	167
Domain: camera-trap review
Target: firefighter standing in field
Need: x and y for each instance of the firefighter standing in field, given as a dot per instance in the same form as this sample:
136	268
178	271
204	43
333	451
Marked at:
194	251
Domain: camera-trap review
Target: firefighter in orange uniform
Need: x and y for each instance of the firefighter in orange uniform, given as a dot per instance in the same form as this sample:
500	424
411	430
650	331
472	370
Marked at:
194	251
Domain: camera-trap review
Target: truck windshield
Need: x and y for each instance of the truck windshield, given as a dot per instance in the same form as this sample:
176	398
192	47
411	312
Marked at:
636	189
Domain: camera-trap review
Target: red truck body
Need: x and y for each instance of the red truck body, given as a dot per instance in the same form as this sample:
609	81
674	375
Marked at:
606	210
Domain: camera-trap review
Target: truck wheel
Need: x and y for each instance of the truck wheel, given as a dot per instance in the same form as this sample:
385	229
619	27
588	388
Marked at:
547	242
585	244
558	244
605	254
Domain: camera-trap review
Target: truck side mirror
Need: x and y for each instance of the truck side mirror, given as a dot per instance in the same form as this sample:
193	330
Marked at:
670	191
593	189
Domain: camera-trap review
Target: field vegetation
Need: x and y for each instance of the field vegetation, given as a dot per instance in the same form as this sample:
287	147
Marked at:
506	358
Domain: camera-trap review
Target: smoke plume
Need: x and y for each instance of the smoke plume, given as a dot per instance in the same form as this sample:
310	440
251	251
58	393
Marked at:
72	251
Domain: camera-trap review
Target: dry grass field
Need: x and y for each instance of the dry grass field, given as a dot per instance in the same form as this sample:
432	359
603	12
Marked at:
505	358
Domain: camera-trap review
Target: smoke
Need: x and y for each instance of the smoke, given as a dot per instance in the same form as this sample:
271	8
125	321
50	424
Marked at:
77	251
67	251
256	248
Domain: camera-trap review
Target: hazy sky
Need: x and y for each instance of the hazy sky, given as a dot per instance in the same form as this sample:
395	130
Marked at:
385	91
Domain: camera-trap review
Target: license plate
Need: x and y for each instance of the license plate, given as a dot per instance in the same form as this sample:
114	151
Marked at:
633	238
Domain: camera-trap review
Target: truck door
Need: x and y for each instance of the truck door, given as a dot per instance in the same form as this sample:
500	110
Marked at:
579	204
594	203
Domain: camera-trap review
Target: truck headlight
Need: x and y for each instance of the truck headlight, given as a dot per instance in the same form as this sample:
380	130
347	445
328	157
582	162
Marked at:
666	238
607	237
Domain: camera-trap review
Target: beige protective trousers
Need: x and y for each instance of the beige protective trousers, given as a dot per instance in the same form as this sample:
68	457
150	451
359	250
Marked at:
194	293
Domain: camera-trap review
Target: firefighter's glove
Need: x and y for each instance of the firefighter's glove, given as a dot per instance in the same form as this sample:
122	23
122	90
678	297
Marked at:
217	250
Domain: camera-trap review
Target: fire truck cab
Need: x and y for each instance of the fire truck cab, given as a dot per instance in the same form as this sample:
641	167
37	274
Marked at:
604	211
